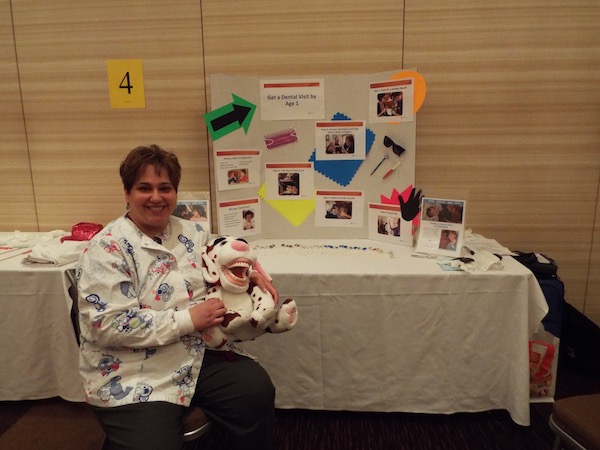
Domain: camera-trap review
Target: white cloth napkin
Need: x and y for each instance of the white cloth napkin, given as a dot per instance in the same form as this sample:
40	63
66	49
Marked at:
55	252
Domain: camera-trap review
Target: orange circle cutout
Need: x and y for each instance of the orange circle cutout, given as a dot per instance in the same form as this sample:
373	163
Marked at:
420	86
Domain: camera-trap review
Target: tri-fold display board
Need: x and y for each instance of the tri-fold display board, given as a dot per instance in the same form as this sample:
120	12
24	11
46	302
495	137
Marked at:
314	157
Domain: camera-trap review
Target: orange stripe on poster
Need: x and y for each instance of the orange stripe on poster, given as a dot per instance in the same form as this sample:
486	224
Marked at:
391	83
289	166
238	202
289	85
339	124
385	207
341	193
237	152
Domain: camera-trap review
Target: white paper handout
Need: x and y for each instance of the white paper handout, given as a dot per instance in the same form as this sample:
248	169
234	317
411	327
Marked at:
340	139
476	242
442	227
339	208
289	181
386	224
292	99
240	217
237	169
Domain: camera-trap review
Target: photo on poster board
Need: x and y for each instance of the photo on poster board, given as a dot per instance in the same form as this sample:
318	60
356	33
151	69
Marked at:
391	101
289	181
237	169
194	206
240	217
340	140
386	224
442	227
339	208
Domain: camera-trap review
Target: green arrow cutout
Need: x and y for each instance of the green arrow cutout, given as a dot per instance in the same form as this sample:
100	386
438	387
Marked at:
228	118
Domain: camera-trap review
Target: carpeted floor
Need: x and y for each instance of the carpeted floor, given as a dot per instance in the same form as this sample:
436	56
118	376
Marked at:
56	424
50	425
326	430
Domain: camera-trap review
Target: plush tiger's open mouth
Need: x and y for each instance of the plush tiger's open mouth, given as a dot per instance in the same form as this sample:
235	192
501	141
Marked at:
237	271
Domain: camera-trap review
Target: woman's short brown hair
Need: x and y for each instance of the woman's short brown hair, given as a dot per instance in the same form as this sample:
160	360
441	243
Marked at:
154	155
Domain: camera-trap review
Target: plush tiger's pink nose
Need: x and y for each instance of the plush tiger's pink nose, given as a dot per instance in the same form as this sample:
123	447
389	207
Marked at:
240	246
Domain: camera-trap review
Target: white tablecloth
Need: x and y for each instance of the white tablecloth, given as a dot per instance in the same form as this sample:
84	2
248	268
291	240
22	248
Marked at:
37	342
381	330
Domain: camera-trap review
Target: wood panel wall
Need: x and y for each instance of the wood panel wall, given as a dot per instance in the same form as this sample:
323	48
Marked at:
511	119
591	305
18	209
76	140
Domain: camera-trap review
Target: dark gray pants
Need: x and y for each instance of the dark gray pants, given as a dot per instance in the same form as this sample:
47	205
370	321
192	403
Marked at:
234	391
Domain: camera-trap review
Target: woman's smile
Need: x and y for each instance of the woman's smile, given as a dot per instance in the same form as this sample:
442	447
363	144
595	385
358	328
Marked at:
151	201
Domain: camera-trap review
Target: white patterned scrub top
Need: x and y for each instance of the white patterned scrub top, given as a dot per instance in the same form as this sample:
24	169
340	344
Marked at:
134	295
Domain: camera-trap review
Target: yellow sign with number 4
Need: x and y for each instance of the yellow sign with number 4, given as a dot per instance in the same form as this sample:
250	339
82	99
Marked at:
126	83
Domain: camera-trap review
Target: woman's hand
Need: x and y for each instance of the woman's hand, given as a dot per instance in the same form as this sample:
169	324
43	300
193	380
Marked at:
207	314
264	284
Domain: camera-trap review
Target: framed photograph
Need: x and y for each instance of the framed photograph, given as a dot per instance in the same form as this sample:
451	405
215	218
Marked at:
194	206
442	227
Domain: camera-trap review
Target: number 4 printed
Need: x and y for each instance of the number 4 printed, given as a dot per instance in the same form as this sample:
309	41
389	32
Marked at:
126	83
127	86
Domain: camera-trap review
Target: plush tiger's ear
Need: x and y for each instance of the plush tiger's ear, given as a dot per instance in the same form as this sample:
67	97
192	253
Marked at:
210	270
